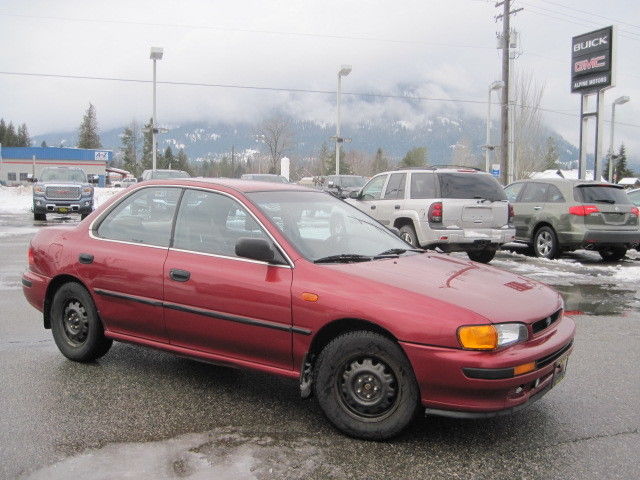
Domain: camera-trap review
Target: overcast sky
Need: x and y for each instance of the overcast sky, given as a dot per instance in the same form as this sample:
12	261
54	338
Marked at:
436	49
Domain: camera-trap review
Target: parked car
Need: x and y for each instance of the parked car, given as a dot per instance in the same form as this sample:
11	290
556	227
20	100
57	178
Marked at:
264	177
62	190
125	182
342	185
560	215
294	282
454	209
634	196
163	174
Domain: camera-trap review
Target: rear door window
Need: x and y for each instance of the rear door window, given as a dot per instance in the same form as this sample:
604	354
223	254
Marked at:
395	186
554	195
423	185
601	194
534	193
470	185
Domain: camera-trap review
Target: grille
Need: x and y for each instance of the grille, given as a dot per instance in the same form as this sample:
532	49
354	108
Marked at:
541	362
62	193
545	322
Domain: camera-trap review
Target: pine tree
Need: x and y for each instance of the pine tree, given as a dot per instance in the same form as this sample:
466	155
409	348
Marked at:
182	162
621	170
44	144
129	149
416	157
23	140
3	131
10	137
551	156
88	136
380	162
168	160
329	162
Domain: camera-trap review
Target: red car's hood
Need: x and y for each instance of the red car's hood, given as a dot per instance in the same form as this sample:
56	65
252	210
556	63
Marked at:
497	295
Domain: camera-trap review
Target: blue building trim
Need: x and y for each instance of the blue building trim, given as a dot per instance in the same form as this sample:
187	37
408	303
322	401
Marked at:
56	153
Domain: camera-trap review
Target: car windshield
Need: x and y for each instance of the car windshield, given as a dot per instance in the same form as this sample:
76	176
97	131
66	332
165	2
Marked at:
346	182
601	194
63	175
169	174
322	228
470	185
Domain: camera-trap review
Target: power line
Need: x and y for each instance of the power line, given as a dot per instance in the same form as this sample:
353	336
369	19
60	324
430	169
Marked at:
244	30
291	90
591	13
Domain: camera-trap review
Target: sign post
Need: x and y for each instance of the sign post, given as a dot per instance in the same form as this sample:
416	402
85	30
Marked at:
592	72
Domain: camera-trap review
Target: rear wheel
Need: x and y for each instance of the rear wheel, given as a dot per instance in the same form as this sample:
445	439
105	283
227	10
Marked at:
366	386
408	234
545	243
482	256
40	217
75	325
613	254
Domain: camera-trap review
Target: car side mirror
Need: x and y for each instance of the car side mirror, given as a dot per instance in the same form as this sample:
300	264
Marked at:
395	231
355	194
255	249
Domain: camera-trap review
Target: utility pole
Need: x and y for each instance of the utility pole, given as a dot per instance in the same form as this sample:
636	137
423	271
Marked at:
505	173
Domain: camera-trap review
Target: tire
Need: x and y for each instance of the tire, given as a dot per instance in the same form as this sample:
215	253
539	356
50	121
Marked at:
482	256
75	325
40	217
361	360
408	234
545	243
613	254
84	215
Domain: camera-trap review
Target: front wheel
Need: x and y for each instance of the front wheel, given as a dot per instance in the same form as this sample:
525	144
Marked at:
482	256
40	217
408	234
75	325
613	254
545	243
366	386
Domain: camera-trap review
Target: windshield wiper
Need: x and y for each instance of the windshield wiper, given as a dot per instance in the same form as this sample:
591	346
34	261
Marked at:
604	200
344	258
397	251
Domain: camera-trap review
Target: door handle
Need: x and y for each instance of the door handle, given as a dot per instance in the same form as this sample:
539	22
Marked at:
179	275
397	207
85	258
373	207
537	208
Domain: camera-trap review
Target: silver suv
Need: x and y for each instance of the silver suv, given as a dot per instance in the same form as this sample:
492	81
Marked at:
454	209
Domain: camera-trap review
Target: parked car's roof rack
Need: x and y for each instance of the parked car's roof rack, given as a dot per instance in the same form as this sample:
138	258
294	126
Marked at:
436	167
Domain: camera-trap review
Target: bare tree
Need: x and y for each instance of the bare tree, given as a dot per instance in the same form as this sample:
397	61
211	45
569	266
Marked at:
275	132
529	148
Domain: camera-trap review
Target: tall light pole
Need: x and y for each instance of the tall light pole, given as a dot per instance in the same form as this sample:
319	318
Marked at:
617	101
497	85
156	54
344	71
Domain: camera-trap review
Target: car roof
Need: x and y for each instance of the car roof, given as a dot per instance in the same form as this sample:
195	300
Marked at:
437	169
243	186
567	181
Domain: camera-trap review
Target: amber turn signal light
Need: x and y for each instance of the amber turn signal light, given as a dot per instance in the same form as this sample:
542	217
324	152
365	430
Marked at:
309	297
478	337
524	368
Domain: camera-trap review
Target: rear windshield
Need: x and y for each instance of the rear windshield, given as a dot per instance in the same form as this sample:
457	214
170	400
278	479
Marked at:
63	175
601	194
470	185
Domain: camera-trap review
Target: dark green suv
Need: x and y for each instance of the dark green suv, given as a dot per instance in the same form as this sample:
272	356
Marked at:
560	215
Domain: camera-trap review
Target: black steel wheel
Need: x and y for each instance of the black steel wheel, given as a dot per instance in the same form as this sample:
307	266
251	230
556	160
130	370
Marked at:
75	325
366	386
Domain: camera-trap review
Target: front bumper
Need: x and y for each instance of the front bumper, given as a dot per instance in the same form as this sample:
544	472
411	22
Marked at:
445	389
450	240
43	205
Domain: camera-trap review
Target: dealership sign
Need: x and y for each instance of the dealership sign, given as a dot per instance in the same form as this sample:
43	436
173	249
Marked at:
592	61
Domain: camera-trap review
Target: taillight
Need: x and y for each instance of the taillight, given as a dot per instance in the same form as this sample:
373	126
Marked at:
511	213
30	255
635	211
583	210
435	212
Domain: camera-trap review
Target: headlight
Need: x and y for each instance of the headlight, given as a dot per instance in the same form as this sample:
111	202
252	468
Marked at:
490	337
38	189
87	190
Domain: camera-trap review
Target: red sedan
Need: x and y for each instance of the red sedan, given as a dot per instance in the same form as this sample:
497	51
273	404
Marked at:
295	282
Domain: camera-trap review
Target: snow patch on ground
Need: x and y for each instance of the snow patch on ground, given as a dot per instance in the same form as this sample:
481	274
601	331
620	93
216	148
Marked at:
220	454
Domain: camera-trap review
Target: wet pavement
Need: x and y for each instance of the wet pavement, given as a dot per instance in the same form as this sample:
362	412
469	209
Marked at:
140	413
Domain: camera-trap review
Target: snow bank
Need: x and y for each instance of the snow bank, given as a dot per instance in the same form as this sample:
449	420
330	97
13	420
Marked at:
18	200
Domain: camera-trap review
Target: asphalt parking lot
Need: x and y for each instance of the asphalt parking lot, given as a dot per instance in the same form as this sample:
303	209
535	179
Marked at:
143	414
